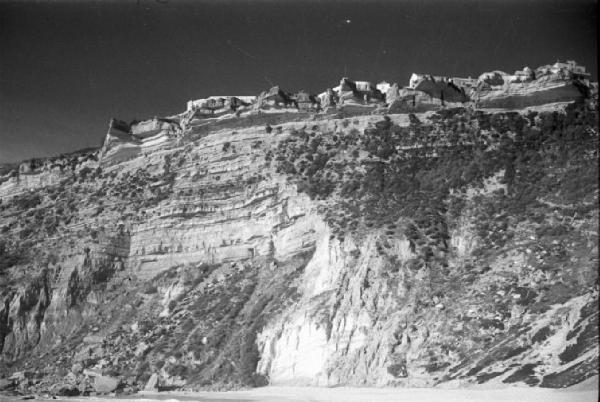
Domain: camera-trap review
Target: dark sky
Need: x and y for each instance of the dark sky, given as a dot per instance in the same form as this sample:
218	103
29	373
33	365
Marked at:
66	68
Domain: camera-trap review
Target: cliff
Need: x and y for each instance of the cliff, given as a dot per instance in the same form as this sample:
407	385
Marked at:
451	247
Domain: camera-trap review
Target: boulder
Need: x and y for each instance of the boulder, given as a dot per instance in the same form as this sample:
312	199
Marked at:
398	370
152	384
104	384
128	390
65	390
92	351
84	386
25	167
18	376
174	382
92	373
141	349
71	378
6	384
77	368
93	339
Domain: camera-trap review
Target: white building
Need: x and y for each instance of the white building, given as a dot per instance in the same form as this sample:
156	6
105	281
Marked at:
215	100
383	87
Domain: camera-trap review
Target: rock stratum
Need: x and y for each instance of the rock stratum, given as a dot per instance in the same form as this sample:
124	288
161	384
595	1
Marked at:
449	245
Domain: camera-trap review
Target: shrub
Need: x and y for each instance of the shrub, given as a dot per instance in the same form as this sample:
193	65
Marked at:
150	288
27	201
83	173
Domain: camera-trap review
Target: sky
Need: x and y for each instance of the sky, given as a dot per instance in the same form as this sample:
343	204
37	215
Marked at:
66	67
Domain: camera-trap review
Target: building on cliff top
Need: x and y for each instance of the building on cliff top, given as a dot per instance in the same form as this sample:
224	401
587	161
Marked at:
275	97
383	87
558	71
119	131
306	102
148	128
328	98
567	70
416	79
358	91
524	75
119	128
450	89
219	102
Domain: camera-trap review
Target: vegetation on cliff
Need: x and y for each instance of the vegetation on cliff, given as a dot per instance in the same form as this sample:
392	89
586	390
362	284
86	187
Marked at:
459	232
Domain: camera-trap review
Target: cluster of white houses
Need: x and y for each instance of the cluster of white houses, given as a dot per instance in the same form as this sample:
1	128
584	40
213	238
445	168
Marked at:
421	88
363	92
449	89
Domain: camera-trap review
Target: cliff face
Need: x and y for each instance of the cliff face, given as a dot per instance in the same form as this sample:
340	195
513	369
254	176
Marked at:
445	247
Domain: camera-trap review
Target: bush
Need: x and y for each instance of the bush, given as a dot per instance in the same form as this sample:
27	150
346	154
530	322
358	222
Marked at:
10	256
150	288
27	201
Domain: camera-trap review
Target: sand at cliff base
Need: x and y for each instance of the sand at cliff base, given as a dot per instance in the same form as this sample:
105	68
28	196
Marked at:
583	392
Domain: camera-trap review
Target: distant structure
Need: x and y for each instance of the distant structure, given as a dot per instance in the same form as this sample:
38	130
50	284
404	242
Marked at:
493	78
383	87
422	89
357	91
215	103
306	102
275	98
554	72
556	82
119	129
327	99
446	89
567	70
149	128
524	75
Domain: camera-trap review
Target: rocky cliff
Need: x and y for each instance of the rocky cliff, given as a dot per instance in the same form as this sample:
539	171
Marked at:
452	247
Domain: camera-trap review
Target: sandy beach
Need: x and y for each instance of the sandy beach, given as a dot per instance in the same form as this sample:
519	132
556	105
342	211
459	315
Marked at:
583	392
